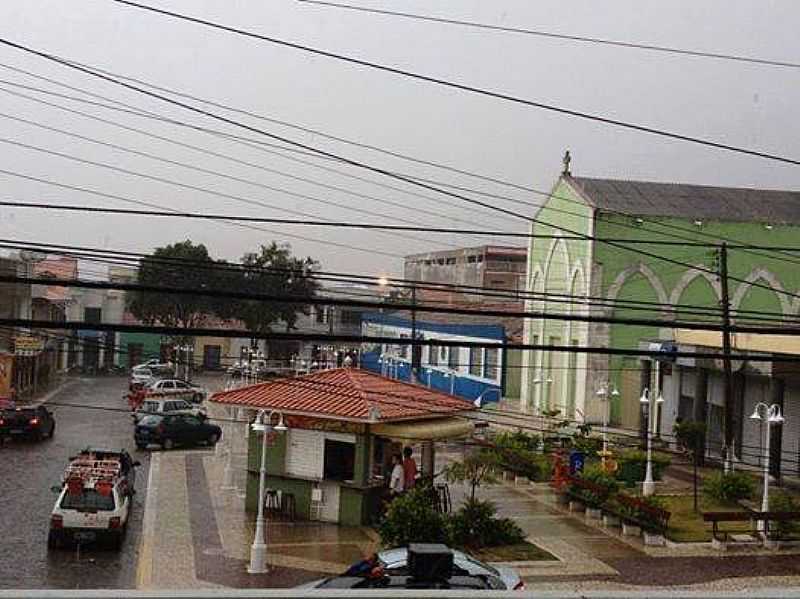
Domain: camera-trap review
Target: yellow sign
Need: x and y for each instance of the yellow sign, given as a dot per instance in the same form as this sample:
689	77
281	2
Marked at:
6	363
27	344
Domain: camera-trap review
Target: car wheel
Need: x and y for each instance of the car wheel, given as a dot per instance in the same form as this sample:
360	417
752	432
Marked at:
36	436
52	431
53	540
212	440
167	444
117	540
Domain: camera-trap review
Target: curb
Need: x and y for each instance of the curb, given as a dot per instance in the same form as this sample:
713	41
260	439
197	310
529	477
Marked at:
50	394
144	571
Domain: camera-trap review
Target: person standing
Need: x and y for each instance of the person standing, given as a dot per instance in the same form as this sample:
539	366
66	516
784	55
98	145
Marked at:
397	480
409	469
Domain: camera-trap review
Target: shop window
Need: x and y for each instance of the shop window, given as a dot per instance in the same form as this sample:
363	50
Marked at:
451	261
452	358
92	315
433	355
492	357
340	459
403	348
476	361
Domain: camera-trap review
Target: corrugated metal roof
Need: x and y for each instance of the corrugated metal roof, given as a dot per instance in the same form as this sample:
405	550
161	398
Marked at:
346	393
645	198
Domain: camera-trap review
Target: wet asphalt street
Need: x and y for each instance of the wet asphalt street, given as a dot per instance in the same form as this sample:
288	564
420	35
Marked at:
29	469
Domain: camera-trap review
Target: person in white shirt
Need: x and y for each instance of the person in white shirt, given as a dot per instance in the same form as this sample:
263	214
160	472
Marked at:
398	475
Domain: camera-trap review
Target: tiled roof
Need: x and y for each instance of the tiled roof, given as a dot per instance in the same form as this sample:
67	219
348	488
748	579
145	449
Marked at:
62	267
346	393
645	198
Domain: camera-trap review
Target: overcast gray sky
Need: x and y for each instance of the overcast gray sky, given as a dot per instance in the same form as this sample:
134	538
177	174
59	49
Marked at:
736	103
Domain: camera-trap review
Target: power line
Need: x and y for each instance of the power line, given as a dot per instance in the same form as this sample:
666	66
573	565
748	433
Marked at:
115	256
221	194
347	160
258	145
454	85
313	300
559	36
235	178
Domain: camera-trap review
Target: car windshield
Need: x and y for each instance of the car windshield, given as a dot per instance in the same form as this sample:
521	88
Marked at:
88	500
150	420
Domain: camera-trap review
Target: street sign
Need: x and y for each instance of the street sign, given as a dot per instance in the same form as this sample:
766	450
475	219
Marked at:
25	345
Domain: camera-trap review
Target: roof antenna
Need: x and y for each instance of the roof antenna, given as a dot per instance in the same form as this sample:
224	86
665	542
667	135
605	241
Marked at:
566	160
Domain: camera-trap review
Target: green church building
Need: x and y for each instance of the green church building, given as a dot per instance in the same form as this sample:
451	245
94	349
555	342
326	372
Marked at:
581	265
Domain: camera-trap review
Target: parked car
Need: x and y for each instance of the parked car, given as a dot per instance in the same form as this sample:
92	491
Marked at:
95	499
165	405
467	573
169	430
32	423
142	376
184	389
157	366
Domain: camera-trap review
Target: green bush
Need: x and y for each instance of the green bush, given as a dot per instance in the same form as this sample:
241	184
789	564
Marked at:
729	487
475	526
781	501
640	516
518	440
606	483
411	518
633	466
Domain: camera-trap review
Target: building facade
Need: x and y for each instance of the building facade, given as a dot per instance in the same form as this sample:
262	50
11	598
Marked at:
490	373
499	268
577	273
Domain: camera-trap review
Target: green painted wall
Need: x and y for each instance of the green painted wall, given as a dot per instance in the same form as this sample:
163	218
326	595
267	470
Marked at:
550	270
699	292
665	283
351	507
276	455
300	488
513	373
151	346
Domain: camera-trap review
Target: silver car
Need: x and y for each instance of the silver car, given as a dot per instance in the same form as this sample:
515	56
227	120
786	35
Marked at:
397	559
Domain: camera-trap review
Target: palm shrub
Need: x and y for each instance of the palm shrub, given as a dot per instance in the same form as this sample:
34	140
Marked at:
729	487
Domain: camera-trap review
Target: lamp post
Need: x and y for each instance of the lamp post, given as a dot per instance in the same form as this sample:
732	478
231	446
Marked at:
649	485
605	397
772	414
258	551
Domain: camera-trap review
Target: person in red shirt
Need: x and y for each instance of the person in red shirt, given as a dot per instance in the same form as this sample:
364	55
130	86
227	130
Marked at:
409	469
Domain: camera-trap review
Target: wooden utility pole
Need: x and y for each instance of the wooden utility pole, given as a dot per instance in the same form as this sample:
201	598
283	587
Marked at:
726	355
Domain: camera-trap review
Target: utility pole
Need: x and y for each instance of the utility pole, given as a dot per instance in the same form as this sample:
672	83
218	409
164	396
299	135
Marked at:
726	355
416	350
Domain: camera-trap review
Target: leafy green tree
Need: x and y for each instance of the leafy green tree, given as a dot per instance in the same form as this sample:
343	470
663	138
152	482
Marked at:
181	265
272	271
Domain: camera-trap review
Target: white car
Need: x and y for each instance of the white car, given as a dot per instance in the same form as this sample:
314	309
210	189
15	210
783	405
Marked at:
94	502
180	388
142	375
165	405
157	366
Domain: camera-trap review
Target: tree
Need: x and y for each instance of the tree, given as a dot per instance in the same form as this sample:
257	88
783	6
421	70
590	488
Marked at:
477	468
273	271
180	265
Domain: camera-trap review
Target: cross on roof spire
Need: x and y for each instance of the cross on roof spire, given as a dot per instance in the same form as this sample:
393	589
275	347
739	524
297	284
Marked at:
566	160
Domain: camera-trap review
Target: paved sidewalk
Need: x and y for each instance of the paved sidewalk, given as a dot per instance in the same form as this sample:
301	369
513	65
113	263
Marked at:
197	535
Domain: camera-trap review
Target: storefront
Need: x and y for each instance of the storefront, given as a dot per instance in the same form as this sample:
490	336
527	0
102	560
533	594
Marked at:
344	425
